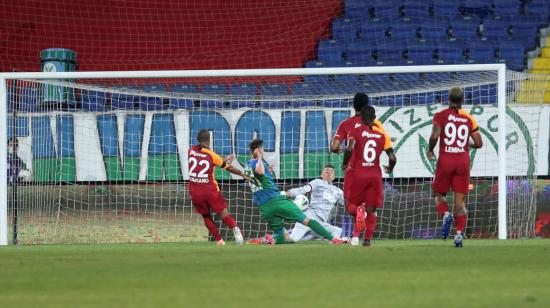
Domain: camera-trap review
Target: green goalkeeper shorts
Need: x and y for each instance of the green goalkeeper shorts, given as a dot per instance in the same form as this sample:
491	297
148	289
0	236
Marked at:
279	209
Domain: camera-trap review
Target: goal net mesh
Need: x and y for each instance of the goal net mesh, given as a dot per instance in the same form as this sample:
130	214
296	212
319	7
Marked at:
105	160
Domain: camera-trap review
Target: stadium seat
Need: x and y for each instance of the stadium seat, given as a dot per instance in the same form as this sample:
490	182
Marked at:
404	30
335	103
360	53
217	93
92	100
344	29
480	8
330	51
506	7
414	8
391	101
465	27
390	53
153	102
446	8
374	29
496	29
123	100
356	9
537	6
386	8
481	53
422	98
421	54
486	94
432	78
524	33
435	29
243	96
451	52
278	90
186	103
512	54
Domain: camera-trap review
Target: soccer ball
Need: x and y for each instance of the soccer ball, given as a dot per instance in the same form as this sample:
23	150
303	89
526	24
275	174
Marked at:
301	202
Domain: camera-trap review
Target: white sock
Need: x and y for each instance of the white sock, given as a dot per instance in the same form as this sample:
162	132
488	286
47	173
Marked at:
447	213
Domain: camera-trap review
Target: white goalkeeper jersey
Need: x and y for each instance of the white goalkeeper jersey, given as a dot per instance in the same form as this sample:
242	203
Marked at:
324	196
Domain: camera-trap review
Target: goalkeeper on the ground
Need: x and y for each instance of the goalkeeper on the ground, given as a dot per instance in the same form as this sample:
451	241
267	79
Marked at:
324	197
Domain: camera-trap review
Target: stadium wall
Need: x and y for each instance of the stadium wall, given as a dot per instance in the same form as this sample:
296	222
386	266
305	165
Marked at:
150	146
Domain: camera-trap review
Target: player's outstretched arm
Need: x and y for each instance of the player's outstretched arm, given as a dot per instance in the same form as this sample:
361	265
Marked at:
238	172
302	190
436	132
392	161
478	142
335	145
347	153
259	170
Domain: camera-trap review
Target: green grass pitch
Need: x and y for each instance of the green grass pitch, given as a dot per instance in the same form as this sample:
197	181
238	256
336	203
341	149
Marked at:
430	273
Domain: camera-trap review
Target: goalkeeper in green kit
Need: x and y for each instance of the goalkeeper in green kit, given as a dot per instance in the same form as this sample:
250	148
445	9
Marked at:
274	207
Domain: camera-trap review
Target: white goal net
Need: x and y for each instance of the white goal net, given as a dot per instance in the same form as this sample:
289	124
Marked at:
104	160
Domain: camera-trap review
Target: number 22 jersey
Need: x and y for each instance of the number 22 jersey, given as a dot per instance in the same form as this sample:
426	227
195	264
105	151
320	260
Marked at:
202	162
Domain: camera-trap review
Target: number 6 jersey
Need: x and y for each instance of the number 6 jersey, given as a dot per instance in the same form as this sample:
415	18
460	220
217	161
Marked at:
456	127
365	157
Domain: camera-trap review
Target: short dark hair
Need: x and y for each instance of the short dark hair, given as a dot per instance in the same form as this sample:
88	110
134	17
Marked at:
203	135
360	100
328	166
256	143
456	96
368	114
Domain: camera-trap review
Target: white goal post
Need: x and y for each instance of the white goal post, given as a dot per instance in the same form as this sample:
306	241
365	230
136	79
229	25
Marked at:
499	69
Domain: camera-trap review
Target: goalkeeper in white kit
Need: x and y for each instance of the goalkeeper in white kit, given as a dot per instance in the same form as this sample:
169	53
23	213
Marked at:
324	196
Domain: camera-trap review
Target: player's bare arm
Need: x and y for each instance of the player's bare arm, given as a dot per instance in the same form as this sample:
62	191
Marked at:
238	172
335	145
260	170
478	142
392	161
436	132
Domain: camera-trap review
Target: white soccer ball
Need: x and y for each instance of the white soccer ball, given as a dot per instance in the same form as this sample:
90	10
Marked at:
301	201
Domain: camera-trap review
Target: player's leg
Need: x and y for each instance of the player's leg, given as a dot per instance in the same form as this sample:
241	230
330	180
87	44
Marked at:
218	205
356	207
299	232
440	187
461	183
201	207
374	200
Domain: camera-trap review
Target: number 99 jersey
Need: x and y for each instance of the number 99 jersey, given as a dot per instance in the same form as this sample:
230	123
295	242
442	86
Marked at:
456	127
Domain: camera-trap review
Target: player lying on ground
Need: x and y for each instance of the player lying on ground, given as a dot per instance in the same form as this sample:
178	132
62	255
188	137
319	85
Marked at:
274	208
204	190
324	196
453	128
363	174
360	100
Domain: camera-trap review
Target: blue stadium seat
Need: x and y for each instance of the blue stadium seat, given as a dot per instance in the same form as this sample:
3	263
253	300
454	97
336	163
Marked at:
386	8
537	7
186	103
153	102
374	29
481	53
360	53
356	9
436	77
435	29
404	30
92	100
465	27
124	101
390	53
408	78
485	94
243	96
525	33
391	101
496	29
330	51
513	54
336	103
274	89
345	29
480	8
421	54
213	90
506	7
415	8
422	98
451	52
446	8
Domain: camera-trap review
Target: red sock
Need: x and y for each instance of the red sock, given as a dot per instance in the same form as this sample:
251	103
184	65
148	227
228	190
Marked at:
460	222
211	226
229	221
371	226
442	207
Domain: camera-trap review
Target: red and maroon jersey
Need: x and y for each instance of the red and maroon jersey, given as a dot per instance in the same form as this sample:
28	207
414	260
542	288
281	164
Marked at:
202	162
369	144
348	125
456	127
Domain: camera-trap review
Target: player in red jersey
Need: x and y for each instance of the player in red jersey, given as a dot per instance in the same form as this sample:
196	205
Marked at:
363	173
453	128
204	190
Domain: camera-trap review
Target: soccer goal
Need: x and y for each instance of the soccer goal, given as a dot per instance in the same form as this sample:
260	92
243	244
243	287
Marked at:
101	157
